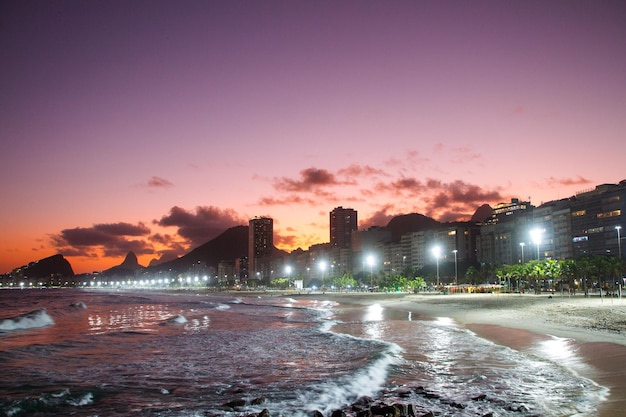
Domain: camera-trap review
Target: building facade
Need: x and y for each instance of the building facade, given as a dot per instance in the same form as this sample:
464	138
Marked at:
260	246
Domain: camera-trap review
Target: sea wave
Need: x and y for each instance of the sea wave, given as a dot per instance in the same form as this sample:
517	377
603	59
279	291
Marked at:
31	320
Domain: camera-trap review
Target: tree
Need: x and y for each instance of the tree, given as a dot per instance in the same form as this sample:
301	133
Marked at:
344	281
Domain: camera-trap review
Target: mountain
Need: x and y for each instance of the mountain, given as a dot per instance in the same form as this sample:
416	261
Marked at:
128	267
409	223
230	245
55	265
482	213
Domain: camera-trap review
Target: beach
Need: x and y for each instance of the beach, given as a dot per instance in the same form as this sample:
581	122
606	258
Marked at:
596	325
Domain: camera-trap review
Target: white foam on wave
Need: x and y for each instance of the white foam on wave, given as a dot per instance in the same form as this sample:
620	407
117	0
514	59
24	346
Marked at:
367	381
32	320
222	307
79	304
179	319
81	401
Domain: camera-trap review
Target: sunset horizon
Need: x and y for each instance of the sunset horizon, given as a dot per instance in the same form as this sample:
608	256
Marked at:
152	127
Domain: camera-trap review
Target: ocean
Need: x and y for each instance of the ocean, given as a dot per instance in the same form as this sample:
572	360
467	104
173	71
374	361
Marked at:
148	353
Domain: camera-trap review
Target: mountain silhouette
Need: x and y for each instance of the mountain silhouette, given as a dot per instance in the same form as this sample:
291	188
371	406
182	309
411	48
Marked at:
230	245
128	267
409	223
482	213
55	265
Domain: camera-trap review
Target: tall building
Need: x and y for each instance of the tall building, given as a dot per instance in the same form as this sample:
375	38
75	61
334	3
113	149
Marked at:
343	221
596	216
260	245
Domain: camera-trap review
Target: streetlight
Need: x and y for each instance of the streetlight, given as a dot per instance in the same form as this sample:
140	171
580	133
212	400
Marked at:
522	244
370	262
288	272
437	252
535	234
456	269
619	241
323	268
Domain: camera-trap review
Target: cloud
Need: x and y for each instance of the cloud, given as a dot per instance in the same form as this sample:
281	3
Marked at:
356	170
552	181
158	182
101	234
311	179
201	225
380	217
285	201
110	238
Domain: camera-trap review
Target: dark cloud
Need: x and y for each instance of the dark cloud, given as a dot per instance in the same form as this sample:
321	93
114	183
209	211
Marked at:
378	218
311	179
159	182
110	238
461	192
100	234
123	246
201	225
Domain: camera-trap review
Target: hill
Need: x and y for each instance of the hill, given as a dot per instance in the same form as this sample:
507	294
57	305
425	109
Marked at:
126	268
409	223
55	265
230	245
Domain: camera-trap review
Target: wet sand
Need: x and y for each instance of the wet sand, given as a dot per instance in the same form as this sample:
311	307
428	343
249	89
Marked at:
595	327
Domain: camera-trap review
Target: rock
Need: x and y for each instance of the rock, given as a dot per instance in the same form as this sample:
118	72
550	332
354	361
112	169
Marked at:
264	413
257	401
235	403
385	410
317	413
364	400
338	413
405	410
364	413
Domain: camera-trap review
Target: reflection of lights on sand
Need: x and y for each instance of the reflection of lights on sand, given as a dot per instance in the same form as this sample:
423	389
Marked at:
372	321
410	316
560	350
374	313
445	321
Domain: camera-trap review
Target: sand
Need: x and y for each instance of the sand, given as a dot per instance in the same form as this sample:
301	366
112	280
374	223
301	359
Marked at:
598	325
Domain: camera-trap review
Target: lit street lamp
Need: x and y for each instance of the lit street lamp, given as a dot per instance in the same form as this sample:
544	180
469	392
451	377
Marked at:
437	252
456	269
370	262
619	241
323	268
535	234
522	244
288	272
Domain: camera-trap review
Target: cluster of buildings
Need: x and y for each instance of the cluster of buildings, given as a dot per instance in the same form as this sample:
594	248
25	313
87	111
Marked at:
588	223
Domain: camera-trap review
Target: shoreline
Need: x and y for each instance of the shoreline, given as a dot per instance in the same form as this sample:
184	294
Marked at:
596	327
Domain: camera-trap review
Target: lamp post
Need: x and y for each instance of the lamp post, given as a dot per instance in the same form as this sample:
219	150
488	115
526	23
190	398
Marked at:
288	272
370	262
323	268
436	252
535	234
522	244
619	241
456	269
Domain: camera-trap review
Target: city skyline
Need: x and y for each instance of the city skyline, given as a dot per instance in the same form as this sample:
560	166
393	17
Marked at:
152	127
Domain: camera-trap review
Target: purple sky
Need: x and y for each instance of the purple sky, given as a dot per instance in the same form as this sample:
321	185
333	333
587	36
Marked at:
152	126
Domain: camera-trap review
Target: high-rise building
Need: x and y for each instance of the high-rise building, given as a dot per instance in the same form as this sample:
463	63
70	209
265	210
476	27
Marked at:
260	245
343	221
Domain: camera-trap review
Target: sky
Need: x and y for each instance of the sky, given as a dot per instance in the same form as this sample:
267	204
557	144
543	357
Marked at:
153	126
